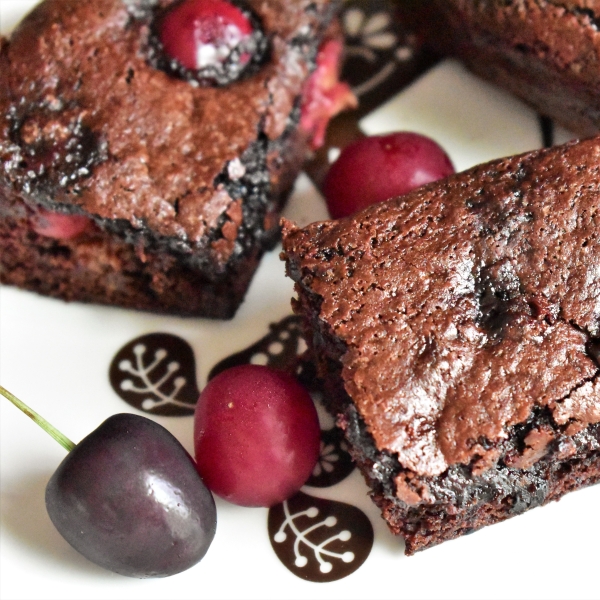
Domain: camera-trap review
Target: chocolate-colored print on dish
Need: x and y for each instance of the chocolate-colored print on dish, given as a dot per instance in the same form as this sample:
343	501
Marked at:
335	463
382	54
156	373
279	349
319	540
282	348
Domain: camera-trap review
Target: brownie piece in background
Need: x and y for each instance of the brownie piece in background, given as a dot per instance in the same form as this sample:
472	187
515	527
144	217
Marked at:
547	52
457	330
131	180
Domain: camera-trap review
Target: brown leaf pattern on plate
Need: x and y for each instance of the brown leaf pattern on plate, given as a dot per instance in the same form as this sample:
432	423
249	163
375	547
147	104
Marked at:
382	54
319	540
279	349
335	463
156	373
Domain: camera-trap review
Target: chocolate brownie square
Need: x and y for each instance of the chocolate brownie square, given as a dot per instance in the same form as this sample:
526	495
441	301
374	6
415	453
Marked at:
457	330
547	52
136	174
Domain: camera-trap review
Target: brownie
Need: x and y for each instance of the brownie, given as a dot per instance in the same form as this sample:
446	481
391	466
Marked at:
547	52
457	330
172	179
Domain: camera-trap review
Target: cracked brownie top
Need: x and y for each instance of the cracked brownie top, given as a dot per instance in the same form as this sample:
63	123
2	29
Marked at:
89	119
462	309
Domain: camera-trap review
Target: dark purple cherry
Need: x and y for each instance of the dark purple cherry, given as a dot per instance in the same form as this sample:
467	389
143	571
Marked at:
129	498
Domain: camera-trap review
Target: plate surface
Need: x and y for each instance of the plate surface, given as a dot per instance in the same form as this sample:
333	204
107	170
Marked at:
57	357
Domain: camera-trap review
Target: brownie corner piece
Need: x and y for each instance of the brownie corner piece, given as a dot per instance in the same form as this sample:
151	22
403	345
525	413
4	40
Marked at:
457	330
546	52
130	178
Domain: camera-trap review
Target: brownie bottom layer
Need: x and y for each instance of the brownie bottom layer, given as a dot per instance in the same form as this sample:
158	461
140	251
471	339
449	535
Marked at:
425	526
100	268
428	511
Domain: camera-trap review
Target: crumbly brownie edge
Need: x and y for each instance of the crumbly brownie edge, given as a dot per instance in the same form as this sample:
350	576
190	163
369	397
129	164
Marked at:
460	501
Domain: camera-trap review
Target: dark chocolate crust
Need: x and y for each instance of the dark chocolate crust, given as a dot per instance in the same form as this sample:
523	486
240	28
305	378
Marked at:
547	52
457	331
184	182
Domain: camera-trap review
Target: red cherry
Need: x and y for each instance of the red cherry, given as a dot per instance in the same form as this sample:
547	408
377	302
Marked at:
325	96
59	226
376	168
256	435
203	33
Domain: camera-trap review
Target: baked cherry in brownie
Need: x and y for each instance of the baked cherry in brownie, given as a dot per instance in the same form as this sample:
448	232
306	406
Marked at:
183	171
59	226
325	96
203	33
209	41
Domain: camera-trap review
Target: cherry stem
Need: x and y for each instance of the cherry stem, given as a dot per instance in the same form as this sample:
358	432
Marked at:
64	441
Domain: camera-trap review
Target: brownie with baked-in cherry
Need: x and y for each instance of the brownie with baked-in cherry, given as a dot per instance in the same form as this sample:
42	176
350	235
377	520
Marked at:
147	147
457	330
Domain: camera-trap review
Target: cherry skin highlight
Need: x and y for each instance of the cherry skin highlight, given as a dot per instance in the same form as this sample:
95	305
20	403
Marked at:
203	33
256	435
376	168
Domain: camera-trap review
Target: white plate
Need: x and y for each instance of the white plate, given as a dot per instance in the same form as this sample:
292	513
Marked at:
56	357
